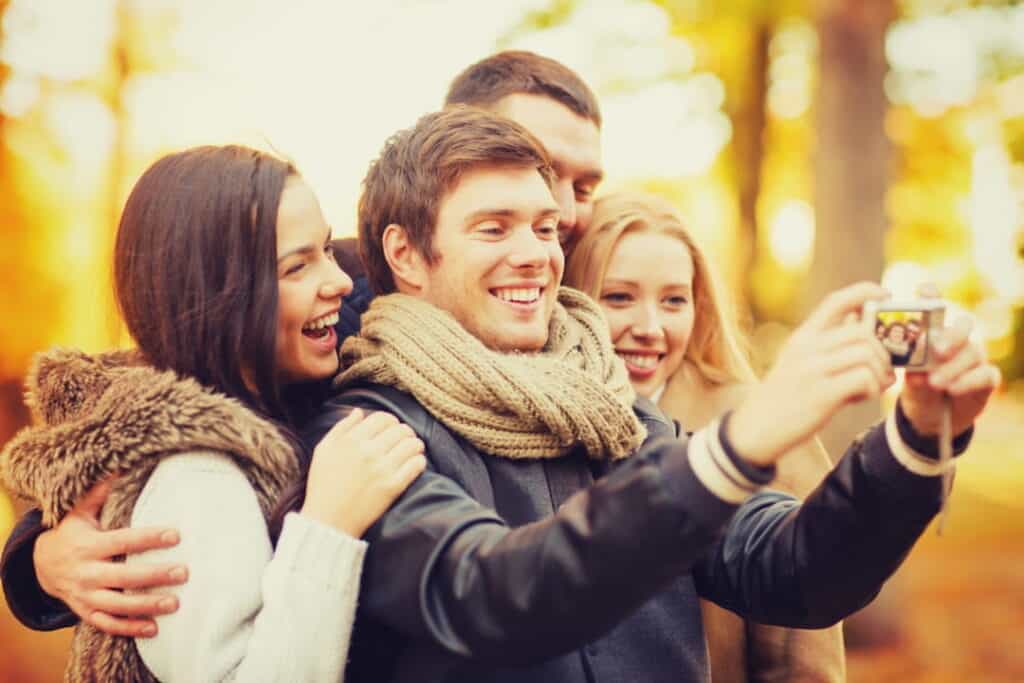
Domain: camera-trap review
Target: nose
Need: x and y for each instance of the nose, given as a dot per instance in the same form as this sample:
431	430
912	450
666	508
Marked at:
527	250
336	284
647	324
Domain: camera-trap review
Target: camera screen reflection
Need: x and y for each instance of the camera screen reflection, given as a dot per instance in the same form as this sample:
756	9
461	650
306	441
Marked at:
904	334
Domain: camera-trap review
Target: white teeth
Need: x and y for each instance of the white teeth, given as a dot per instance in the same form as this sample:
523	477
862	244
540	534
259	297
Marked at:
521	296
640	360
328	320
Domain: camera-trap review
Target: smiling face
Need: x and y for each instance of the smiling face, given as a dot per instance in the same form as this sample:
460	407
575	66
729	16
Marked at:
498	263
573	144
310	288
647	297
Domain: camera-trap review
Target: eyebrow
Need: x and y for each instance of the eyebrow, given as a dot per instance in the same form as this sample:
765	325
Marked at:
306	248
508	213
615	282
591	176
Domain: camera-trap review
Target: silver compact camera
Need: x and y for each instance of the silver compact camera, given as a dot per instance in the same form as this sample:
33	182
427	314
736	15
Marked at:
906	329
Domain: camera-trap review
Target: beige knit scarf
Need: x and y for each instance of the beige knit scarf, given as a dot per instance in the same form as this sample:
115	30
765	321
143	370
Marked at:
514	405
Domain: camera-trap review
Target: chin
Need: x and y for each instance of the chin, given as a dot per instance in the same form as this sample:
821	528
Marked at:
511	341
320	372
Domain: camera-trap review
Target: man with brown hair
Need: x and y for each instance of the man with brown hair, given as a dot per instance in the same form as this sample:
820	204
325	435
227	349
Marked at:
551	101
546	97
561	532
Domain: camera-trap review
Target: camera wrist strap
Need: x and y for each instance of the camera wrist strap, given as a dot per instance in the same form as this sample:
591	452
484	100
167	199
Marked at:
945	456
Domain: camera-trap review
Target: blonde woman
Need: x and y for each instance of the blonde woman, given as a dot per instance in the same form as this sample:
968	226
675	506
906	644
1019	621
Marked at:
682	349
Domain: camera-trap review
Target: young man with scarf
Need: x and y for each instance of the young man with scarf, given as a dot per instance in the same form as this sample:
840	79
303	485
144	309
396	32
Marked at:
546	97
562	532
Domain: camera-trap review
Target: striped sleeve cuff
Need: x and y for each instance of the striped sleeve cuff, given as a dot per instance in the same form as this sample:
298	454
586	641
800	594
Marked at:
715	470
913	460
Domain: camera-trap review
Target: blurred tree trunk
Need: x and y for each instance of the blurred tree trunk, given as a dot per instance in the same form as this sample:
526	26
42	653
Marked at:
851	166
851	176
749	134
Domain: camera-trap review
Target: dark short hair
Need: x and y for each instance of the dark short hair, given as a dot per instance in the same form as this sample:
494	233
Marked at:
195	269
420	165
520	72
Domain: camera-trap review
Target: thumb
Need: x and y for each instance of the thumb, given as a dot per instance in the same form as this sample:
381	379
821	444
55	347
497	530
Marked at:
92	502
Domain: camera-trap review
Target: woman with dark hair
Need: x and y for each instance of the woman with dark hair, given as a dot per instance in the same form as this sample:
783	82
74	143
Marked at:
682	349
227	283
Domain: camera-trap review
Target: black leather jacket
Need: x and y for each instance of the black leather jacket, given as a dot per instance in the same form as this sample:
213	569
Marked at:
559	570
498	570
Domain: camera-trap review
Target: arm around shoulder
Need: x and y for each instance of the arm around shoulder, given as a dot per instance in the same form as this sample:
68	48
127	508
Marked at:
27	600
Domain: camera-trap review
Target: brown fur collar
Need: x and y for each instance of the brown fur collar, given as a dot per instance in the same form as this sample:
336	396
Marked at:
106	415
111	415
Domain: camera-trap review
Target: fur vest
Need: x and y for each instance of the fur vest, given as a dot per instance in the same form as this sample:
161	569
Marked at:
96	417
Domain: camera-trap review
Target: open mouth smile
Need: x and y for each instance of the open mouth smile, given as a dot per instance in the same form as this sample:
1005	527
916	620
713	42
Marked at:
641	365
321	330
520	297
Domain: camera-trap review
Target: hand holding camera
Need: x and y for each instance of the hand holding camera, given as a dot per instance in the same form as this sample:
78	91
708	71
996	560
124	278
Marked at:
956	367
845	352
829	361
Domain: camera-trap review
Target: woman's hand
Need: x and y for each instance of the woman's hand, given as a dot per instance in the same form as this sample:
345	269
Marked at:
829	361
359	468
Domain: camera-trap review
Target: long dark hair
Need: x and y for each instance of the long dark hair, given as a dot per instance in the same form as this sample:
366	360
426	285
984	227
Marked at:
195	269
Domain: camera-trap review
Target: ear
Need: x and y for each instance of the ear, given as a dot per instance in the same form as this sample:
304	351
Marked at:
407	265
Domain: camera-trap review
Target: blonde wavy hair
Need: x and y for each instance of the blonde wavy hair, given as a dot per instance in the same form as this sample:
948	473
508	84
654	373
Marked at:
716	347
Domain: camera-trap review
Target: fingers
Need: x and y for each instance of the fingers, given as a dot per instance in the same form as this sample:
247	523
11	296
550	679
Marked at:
952	339
344	426
128	605
408	471
849	334
118	575
116	626
388	439
406	449
982	378
956	357
847	300
855	384
130	541
373	426
861	356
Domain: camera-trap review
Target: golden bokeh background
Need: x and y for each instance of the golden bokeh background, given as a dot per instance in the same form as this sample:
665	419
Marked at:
809	144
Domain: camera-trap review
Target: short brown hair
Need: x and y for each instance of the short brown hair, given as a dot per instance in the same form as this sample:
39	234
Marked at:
420	165
517	71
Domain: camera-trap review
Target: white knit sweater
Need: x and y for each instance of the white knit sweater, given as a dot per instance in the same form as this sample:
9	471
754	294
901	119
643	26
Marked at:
247	612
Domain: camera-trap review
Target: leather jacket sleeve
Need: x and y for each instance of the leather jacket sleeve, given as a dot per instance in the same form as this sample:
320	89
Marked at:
29	604
444	569
809	565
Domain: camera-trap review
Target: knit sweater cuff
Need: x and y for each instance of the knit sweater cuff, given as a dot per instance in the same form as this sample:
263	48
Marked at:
718	472
318	552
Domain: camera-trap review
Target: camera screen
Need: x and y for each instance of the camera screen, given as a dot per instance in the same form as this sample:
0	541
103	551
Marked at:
904	334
